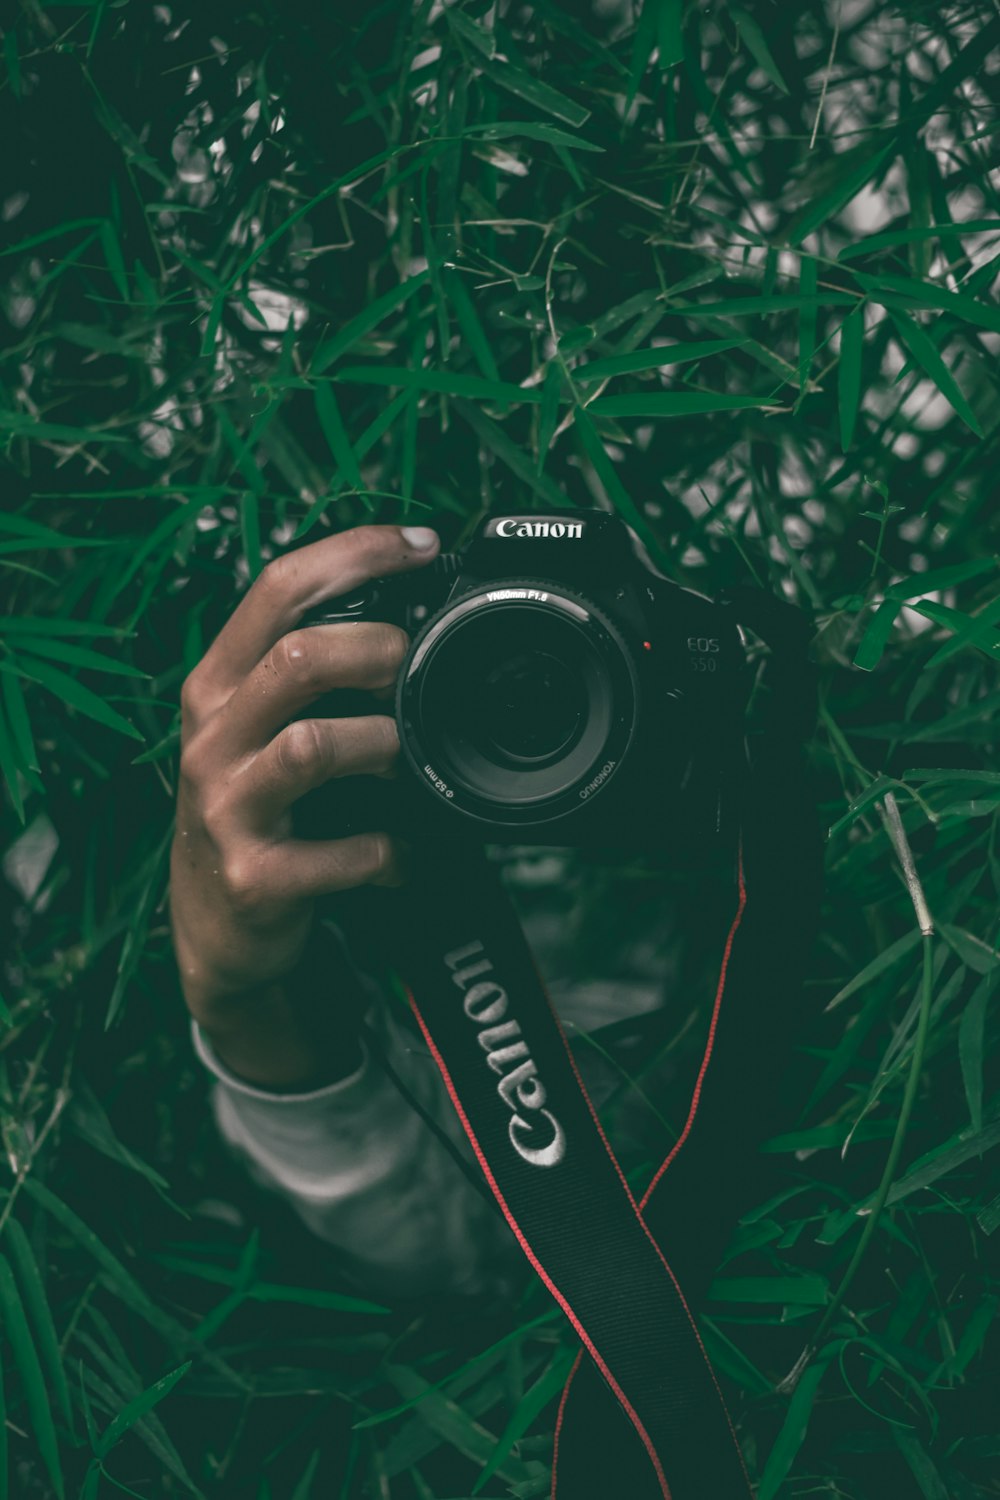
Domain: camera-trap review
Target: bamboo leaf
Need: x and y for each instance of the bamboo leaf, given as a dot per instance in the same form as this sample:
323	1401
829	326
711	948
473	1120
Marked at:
669	38
852	333
795	1426
16	1327
41	644
752	34
43	536
981	957
876	636
4	1446
91	1123
928	357
890	238
653	359
483	39
746	307
304	1488
124	1384
448	1419
25	425
856	171
124	1285
979	630
493	437
250	527
675	404
916	584
335	433
470	325
115	259
593	445
931	1485
642	47
130	1414
945	1158
36	1305
971	1047
549	100
905	294
135	937
366	321
471	387
75	694
807	316
878	965
9	764
267	1291
530	131
533	1403
809	1291
18	722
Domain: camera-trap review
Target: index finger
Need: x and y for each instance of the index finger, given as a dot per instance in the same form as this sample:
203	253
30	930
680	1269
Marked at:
296	582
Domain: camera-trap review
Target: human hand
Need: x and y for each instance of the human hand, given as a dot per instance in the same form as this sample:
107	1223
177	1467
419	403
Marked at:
242	888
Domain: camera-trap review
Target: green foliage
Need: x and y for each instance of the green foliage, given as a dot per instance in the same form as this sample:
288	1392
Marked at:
274	269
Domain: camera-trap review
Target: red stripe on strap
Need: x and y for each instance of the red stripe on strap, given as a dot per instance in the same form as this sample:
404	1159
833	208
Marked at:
585	1339
713	1024
559	1422
695	1100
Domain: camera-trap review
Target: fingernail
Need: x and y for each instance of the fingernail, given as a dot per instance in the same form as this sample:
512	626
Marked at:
420	538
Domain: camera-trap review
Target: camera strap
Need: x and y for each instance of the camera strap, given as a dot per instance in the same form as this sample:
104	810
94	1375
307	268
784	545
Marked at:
642	1413
513	1081
746	1085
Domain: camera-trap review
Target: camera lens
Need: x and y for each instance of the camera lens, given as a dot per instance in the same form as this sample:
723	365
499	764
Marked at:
517	703
530	707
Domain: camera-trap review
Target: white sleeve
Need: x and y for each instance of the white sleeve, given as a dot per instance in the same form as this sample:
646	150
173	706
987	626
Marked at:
365	1172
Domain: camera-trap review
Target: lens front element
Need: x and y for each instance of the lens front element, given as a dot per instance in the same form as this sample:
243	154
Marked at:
529	708
515	700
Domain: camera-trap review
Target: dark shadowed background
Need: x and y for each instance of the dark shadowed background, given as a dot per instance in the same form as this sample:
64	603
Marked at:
275	268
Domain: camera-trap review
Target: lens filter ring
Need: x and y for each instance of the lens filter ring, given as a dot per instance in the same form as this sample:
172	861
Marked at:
517	703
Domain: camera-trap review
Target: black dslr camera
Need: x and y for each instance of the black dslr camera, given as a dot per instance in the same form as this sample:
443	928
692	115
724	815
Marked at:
557	690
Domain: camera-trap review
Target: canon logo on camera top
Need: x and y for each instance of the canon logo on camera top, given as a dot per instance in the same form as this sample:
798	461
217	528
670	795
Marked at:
518	526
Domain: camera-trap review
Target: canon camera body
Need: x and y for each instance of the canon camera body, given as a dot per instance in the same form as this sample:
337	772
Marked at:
557	690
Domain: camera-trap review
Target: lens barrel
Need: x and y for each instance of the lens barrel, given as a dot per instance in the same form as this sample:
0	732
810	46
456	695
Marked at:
518	702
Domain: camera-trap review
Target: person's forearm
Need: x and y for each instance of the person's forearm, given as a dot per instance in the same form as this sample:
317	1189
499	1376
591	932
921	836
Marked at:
295	1033
268	1044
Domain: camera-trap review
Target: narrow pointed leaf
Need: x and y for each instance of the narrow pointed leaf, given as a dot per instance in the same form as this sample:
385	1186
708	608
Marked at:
16	1327
882	961
669	38
927	355
793	1429
971	1047
549	415
549	100
131	1413
876	637
807	316
76	695
82	656
366	321
533	1403
36	1305
10	766
654	359
855	175
752	34
675	404
852	333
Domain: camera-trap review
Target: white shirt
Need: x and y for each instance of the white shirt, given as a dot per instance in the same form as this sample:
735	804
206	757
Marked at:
367	1174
